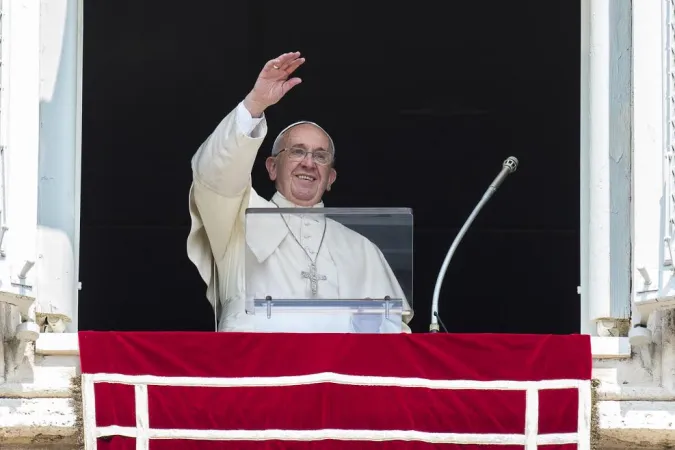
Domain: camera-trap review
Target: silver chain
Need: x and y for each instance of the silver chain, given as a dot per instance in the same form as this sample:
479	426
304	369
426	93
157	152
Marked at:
325	225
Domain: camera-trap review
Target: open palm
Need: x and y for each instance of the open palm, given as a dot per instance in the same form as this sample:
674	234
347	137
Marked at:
275	79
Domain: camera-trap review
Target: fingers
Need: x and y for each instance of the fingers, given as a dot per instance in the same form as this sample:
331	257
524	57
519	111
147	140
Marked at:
293	65
287	59
283	62
290	84
271	65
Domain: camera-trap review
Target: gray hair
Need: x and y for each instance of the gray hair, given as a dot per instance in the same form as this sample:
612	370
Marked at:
279	141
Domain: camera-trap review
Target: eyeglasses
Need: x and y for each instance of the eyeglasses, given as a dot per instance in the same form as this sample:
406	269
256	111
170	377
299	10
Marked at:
321	157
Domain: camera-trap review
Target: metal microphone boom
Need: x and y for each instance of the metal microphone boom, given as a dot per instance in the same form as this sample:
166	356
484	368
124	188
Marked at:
509	166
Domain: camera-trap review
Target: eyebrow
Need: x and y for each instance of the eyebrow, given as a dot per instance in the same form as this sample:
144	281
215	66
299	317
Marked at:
303	146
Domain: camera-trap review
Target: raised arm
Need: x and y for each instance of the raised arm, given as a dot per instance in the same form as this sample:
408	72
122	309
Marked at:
222	165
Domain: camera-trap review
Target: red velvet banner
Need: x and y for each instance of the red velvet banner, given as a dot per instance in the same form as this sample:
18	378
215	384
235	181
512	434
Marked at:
348	391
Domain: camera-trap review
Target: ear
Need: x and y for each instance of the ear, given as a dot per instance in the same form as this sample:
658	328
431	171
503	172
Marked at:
271	165
331	177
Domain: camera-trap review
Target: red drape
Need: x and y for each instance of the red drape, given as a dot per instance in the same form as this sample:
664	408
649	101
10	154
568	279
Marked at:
390	391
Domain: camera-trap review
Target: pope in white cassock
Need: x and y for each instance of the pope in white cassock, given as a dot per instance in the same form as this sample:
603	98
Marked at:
292	256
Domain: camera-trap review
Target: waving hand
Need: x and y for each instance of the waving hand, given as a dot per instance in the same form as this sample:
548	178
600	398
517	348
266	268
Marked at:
273	82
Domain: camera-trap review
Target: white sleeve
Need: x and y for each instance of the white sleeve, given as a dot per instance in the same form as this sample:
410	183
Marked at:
247	124
224	161
222	180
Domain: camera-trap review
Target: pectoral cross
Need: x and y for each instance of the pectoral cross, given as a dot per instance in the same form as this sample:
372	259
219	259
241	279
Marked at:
313	278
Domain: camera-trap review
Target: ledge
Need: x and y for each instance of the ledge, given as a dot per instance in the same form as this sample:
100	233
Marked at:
648	301
628	393
67	344
47	420
49	381
21	301
610	347
626	424
56	363
54	344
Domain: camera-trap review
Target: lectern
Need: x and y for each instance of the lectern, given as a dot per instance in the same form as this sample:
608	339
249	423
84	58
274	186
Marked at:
343	270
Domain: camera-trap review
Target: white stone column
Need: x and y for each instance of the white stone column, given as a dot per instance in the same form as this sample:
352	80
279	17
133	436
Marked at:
605	165
59	186
19	138
22	141
650	200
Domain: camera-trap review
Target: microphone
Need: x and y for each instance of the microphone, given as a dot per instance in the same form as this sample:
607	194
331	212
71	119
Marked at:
510	165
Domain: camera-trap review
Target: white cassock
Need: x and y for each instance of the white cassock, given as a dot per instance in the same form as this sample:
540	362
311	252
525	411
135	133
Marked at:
262	257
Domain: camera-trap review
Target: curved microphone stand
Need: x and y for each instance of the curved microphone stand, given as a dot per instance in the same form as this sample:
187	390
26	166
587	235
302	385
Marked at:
509	166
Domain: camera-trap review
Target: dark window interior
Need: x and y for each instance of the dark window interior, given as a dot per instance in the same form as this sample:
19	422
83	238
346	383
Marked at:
424	100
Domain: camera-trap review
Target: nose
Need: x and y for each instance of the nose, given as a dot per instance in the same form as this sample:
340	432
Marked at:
308	160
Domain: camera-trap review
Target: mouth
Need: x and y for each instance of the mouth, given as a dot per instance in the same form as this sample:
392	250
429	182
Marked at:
305	177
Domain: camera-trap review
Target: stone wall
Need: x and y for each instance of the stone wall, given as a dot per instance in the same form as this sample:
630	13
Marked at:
40	404
37	409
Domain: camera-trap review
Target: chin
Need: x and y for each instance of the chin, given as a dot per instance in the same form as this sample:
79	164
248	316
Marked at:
307	198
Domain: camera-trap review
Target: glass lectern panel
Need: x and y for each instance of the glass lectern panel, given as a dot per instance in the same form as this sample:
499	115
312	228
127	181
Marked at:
329	269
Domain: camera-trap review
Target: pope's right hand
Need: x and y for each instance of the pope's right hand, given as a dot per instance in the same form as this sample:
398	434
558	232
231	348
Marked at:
273	83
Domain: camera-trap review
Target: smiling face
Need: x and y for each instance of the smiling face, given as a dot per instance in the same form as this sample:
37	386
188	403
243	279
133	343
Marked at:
302	180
